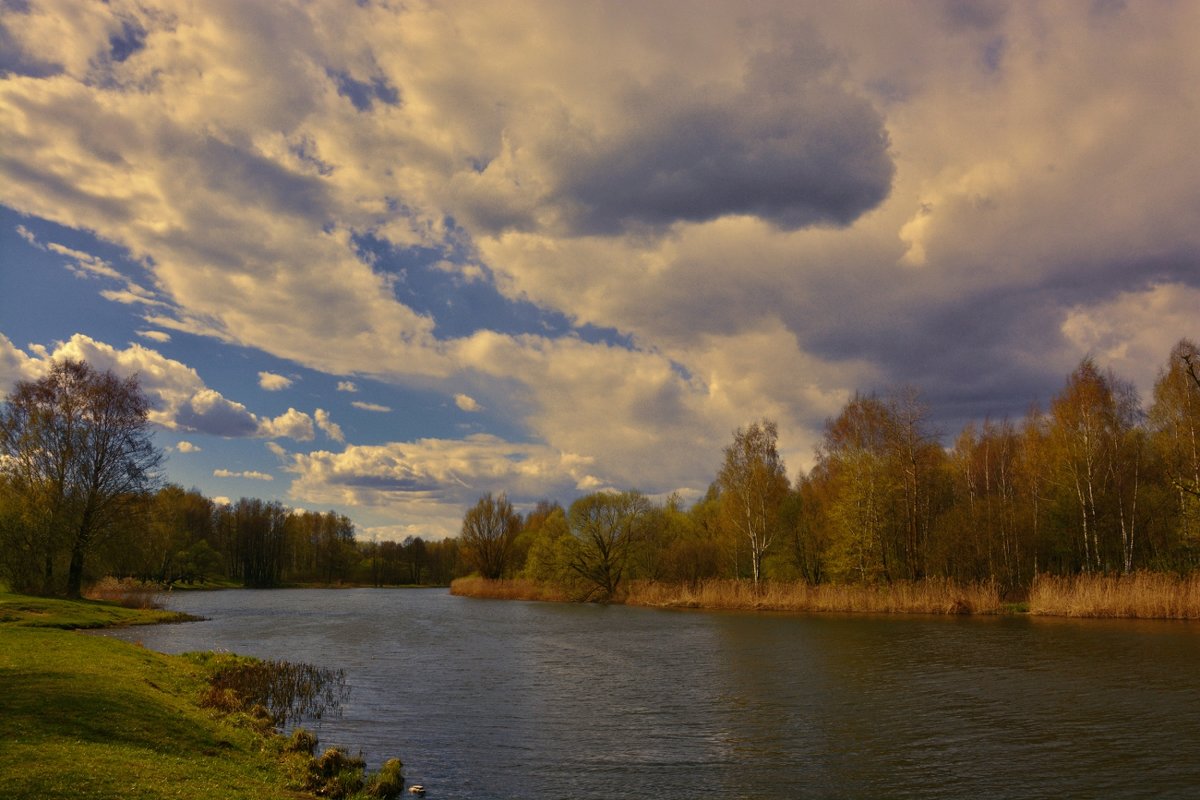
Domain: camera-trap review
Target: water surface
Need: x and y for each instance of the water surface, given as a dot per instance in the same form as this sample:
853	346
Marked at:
504	699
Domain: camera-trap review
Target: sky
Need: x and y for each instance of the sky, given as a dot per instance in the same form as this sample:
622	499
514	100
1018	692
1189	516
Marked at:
384	257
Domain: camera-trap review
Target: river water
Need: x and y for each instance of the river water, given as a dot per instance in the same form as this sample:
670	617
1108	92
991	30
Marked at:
505	699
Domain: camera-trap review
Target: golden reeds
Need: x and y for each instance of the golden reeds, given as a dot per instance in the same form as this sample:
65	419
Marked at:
506	589
932	596
126	592
1140	595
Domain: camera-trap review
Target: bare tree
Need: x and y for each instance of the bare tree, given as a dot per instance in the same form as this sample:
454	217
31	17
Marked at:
78	453
489	528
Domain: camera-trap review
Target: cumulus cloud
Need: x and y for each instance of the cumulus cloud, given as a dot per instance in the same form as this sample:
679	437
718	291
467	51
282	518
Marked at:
291	424
437	476
467	403
347	386
328	426
187	447
248	474
272	382
179	399
765	207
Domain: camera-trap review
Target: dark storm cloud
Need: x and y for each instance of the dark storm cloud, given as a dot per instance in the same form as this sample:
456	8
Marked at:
790	146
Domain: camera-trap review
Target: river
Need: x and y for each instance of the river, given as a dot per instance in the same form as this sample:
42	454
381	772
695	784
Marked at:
505	699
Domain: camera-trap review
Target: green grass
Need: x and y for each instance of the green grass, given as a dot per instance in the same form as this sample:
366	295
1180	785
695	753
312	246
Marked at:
42	612
94	717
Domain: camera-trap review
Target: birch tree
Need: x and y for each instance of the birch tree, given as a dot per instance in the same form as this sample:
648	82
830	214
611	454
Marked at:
754	483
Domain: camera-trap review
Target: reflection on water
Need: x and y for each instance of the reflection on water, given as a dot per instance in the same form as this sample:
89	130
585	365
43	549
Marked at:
501	699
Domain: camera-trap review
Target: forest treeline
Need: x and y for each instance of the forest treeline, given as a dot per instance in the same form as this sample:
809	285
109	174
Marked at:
81	497
1093	483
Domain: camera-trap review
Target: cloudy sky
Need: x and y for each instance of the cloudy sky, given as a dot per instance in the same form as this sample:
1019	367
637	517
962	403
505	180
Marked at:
384	257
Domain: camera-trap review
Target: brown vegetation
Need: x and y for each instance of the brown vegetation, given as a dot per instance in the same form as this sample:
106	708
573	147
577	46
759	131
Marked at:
1140	595
507	589
126	592
933	596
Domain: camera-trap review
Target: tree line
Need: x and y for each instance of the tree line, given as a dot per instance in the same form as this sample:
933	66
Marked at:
82	496
1092	483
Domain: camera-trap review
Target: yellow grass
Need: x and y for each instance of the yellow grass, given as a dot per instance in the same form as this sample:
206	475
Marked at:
1141	595
933	596
125	592
509	589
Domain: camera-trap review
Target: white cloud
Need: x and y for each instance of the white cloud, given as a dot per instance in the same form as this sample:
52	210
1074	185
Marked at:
272	382
347	386
162	337
179	399
1133	332
467	403
1043	175
328	426
187	447
248	474
371	407
291	424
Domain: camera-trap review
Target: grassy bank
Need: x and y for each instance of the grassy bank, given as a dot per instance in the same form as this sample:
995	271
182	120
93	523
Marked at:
1141	595
94	717
924	597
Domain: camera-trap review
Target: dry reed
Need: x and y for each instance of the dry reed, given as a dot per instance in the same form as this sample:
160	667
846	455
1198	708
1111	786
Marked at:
126	592
1140	595
506	589
931	596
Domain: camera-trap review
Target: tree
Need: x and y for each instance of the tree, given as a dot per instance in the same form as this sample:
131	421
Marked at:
488	531
78	453
754	483
605	525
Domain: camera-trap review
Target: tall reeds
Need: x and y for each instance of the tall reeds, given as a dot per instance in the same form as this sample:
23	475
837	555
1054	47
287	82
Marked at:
507	589
931	596
1140	595
126	592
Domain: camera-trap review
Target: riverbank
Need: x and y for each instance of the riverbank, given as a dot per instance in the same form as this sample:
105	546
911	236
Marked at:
95	717
1141	595
924	597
